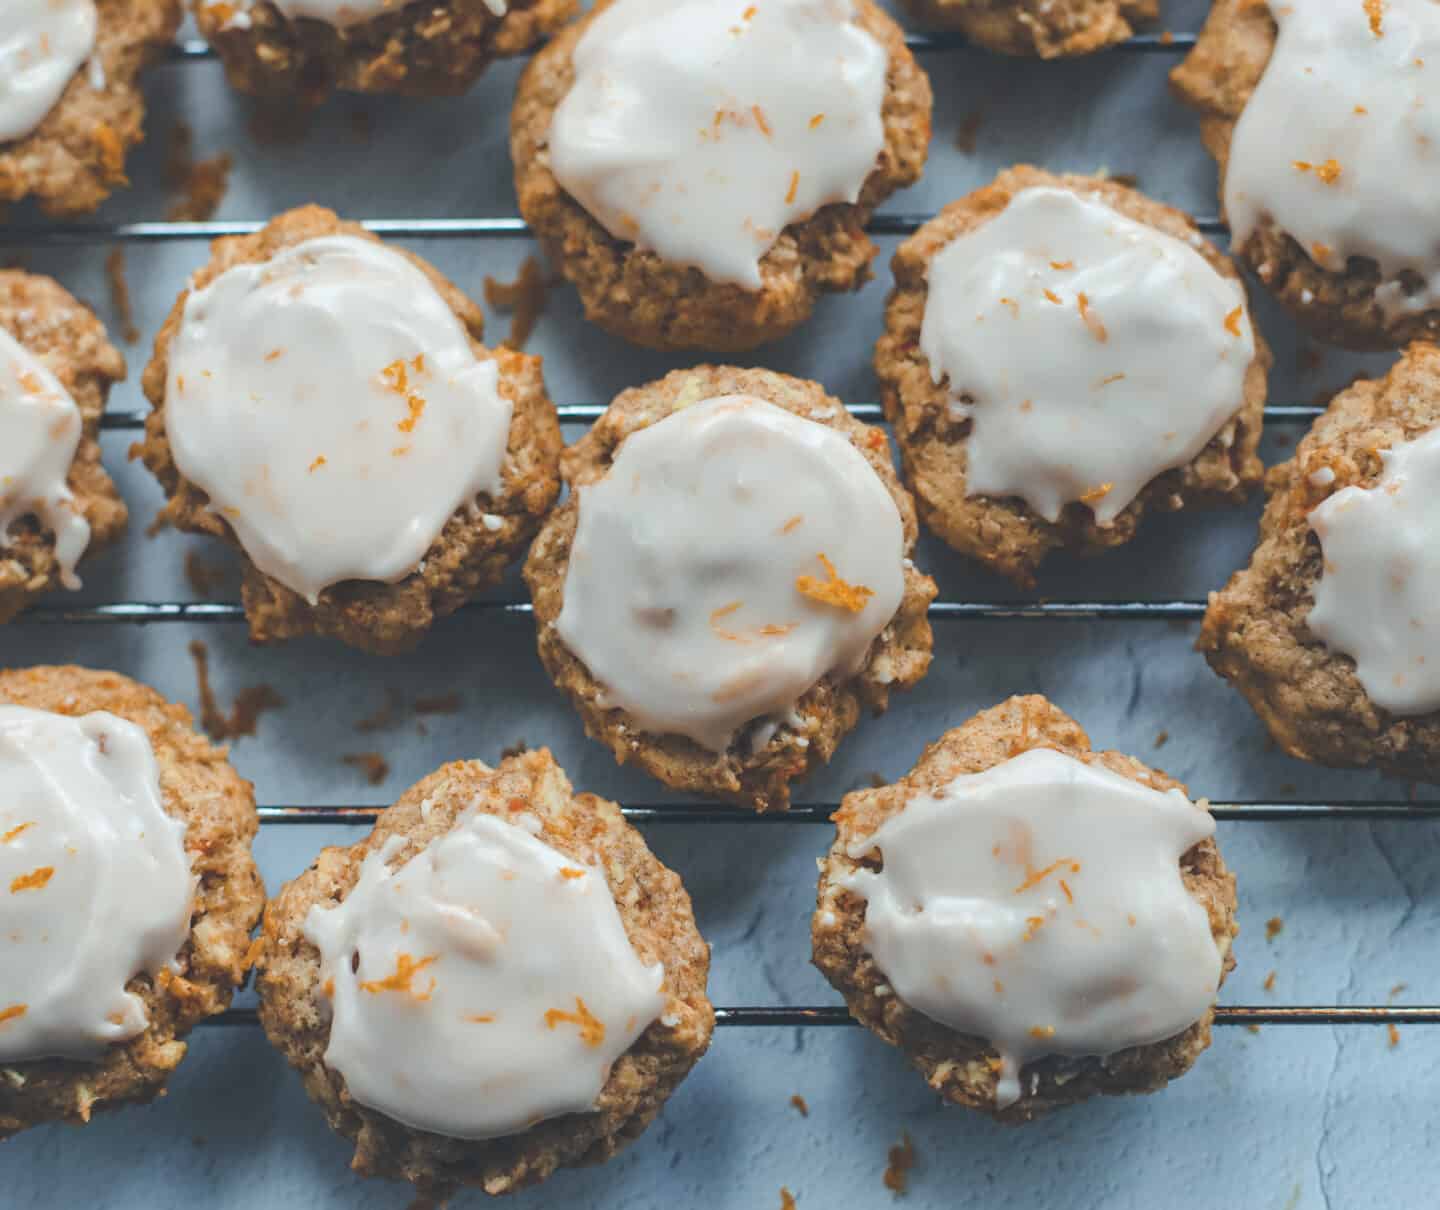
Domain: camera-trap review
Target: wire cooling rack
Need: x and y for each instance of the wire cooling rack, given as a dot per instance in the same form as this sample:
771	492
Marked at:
682	814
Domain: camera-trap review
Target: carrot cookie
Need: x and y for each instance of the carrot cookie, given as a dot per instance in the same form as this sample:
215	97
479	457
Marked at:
324	402
499	981
1062	354
1051	29
70	101
730	582
56	501
1318	116
284	48
702	171
1328	632
1031	922
127	891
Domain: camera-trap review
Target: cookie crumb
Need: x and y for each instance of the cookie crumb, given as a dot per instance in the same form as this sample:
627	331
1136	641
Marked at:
902	1160
250	703
1162	739
201	184
1394	1035
787	1199
374	766
518	748
203	577
1254	1029
524	298
442	703
1269	984
385	717
1397	989
799	1103
120	294
1273	928
965	137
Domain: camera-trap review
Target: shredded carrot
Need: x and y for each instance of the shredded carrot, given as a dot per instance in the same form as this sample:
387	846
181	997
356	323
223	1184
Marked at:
833	590
15	1010
406	968
794	187
33	881
112	153
14	832
329	989
592	1031
1036	877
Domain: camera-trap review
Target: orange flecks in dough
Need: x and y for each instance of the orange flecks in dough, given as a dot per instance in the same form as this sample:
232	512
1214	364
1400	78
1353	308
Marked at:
1232	321
793	524
571	872
1096	494
760	120
14	832
112	152
14	1011
1042	1031
1090	319
833	590
34	880
1321	252
1375	10
320	461
794	187
1394	1035
402	979
875	439
592	1031
816	121
902	1159
1050	296
1273	928
1036	877
800	1103
1061	265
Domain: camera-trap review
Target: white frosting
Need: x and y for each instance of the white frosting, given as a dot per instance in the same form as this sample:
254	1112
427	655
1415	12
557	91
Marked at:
1340	143
700	129
1378	598
330	404
1090	352
1039	905
95	883
683	595
495	984
43	43
40	427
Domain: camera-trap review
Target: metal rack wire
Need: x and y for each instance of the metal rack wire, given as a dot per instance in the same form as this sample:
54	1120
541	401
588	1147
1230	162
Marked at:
149	612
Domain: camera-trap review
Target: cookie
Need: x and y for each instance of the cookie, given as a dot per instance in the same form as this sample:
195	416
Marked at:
125	850
1097	921
73	109
1325	632
57	504
714	195
1049	29
324	403
1061	356
422	48
1326	173
499	981
729	583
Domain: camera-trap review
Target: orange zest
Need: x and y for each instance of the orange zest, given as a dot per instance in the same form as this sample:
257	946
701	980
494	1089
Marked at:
833	590
318	463
1375	10
33	881
1065	886
1033	924
1042	1031
14	1011
481	1018
592	1031
816	121
760	120
1328	172
1090	319
1096	494
791	525
406	968
794	187
1059	265
1050	295
1232	321
1036	877
14	832
571	872
396	377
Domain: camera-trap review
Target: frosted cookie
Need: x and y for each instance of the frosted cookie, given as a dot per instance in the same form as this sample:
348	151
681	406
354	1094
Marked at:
323	402
1321	116
70	101
1051	29
499	981
1062	355
307	48
1328	632
729	583
1031	922
56	502
702	170
127	891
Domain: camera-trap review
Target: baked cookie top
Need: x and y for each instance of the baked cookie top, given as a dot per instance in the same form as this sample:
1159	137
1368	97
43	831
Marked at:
56	501
1050	29
324	401
1032	922
1060	353
125	849
500	980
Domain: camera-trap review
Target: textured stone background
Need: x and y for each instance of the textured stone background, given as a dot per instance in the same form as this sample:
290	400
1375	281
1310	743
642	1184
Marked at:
1289	1118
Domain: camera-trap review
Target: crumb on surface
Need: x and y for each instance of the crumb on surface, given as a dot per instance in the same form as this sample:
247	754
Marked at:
1269	984
1162	739
800	1104
374	766
250	703
1273	928
902	1160
1394	1034
204	578
200	185
965	137
787	1199
440	703
386	716
1254	1029
524	299
120	294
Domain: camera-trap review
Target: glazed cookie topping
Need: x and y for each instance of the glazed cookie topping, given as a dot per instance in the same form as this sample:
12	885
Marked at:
1378	599
1337	144
1089	352
1039	905
43	43
95	883
332	407
483	985
700	129
734	554
39	434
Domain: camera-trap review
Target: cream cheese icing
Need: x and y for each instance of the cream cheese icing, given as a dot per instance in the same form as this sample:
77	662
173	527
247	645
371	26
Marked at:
1039	905
40	428
43	43
330	404
481	986
700	129
733	555
95	883
1378	597
1090	352
1337	144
